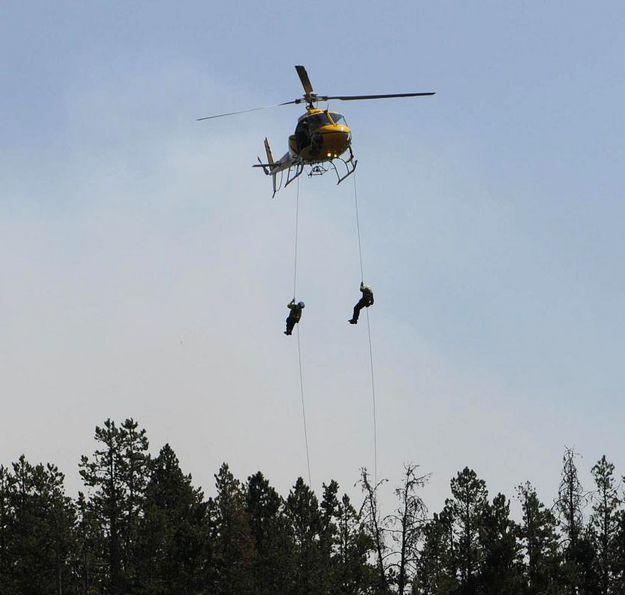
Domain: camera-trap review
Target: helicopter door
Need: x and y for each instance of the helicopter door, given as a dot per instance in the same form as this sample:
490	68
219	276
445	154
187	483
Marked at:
293	145
302	134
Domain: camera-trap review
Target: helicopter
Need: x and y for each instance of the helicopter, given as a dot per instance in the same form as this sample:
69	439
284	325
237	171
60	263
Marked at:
321	138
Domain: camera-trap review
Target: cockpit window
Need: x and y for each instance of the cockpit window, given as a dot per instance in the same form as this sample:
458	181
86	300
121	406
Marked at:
319	120
338	118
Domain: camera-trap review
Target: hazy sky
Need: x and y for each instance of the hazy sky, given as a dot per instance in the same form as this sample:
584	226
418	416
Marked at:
146	269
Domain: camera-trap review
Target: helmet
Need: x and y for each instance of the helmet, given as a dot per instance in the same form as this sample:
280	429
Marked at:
301	304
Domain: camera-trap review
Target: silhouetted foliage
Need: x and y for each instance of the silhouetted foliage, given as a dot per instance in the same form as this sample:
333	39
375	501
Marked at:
232	546
271	531
501	569
405	526
539	543
468	506
36	530
579	564
172	535
375	525
140	527
603	524
117	475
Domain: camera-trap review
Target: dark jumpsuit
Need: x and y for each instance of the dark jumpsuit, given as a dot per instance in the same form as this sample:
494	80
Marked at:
294	316
365	301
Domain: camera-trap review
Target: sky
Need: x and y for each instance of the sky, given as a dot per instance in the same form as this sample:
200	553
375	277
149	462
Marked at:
146	269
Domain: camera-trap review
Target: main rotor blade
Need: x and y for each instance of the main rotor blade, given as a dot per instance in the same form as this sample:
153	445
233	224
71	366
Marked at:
244	111
358	97
303	76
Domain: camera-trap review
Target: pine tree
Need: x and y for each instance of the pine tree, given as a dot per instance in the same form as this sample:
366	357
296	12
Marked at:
7	521
233	552
353	546
134	470
539	542
570	499
273	568
343	546
117	476
579	564
172	538
500	570
302	509
618	567
39	530
437	569
329	509
469	501
90	548
603	522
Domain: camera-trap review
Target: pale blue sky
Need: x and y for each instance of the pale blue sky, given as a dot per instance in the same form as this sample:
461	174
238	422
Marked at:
146	269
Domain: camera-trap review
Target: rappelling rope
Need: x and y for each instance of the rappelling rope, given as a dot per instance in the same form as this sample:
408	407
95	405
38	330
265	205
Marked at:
299	349
375	430
296	234
362	275
301	386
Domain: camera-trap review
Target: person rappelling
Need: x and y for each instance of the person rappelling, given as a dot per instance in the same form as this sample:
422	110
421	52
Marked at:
295	313
364	302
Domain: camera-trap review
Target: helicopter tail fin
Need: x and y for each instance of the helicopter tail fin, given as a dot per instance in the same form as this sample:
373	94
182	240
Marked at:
270	163
270	166
268	151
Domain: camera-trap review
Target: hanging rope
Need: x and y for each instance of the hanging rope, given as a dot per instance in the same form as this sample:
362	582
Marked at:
375	429
362	275
296	234
301	386
299	349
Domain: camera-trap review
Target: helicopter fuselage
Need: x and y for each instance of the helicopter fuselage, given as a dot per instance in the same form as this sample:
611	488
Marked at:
320	135
320	139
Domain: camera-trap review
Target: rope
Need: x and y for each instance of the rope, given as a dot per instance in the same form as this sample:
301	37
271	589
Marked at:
296	234
299	349
301	386
362	275
375	429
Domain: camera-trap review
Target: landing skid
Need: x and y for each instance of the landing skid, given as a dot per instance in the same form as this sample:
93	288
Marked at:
342	167
348	165
294	172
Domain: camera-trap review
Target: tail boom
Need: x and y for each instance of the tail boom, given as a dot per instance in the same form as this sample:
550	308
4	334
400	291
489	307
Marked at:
273	167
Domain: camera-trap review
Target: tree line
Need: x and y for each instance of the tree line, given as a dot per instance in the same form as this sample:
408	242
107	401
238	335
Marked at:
141	527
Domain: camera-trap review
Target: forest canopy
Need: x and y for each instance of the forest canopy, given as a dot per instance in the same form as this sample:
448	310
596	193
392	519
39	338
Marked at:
140	526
